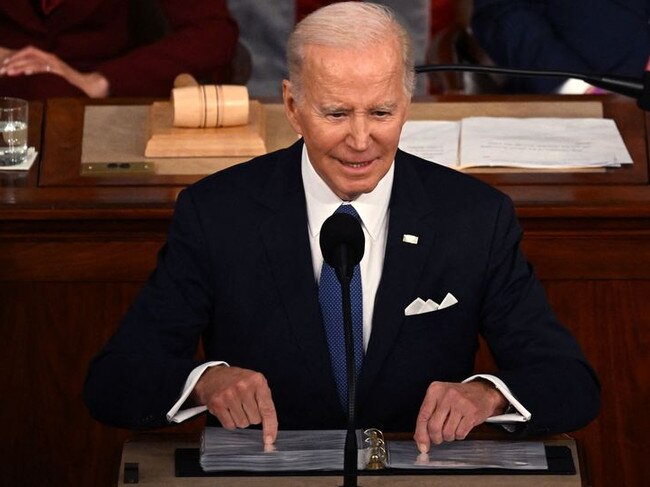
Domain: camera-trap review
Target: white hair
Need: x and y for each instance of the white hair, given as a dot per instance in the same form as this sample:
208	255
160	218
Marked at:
344	25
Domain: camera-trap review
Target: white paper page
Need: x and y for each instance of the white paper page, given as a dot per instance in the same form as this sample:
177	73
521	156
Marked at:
242	450
435	141
223	450
541	143
527	455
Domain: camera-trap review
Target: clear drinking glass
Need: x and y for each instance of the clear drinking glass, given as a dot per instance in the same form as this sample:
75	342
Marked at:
13	131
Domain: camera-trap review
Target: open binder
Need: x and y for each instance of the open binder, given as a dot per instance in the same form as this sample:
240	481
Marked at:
299	453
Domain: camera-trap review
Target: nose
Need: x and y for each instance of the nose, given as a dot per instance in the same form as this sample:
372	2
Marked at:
359	133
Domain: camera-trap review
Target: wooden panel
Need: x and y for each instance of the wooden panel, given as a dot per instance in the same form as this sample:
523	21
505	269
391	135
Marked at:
590	255
611	320
50	333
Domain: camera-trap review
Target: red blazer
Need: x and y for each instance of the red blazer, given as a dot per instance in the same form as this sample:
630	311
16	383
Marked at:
94	35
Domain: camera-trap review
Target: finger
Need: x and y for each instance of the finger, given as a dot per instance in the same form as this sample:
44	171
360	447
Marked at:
238	414
251	410
224	417
269	416
248	391
32	60
29	52
229	401
436	423
464	427
421	436
14	68
451	425
24	66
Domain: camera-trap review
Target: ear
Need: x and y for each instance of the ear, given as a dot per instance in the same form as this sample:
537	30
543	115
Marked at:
291	106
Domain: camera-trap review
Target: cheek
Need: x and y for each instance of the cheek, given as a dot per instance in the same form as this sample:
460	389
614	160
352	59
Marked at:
389	136
325	139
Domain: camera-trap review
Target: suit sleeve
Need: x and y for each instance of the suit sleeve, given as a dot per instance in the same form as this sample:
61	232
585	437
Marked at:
586	36
518	34
140	373
202	41
537	357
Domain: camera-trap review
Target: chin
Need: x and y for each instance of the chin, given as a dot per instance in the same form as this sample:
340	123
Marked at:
354	193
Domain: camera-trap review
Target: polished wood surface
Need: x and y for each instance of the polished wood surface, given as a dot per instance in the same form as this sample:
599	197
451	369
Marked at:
74	251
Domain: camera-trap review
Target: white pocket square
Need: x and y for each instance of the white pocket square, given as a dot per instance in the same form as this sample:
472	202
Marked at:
420	306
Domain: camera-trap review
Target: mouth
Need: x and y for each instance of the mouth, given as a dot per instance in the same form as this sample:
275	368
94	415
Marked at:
356	164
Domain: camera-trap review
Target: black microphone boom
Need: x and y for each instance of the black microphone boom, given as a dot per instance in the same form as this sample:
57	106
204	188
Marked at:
342	244
637	88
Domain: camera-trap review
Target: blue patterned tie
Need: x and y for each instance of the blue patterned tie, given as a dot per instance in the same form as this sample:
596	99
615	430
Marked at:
329	295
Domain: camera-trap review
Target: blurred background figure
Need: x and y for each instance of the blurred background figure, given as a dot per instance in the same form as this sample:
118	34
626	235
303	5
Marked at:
586	36
100	48
265	28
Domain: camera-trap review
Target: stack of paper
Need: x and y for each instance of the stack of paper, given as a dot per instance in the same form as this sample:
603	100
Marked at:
242	450
223	450
533	143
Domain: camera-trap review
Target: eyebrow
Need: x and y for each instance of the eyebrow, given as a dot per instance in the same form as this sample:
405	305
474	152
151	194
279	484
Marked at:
385	107
382	107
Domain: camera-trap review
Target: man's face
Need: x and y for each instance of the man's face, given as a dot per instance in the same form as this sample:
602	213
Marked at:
351	113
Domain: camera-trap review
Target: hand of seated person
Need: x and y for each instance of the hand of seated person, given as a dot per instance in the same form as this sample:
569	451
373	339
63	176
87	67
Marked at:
238	398
31	60
450	411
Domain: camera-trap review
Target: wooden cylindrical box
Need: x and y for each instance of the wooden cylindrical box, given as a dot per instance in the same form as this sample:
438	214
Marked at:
210	106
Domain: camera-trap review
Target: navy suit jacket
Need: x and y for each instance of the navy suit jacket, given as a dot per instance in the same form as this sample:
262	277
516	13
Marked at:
585	36
237	271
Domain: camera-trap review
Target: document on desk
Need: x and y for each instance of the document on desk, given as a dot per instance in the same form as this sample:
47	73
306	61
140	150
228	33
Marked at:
242	450
531	143
433	140
541	143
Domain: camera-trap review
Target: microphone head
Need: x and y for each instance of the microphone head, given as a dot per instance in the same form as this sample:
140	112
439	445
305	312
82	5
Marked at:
342	242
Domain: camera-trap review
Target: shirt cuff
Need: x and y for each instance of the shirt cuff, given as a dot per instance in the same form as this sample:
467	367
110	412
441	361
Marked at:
574	86
520	416
176	416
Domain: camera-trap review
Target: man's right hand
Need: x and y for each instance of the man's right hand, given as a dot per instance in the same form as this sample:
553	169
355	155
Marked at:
238	398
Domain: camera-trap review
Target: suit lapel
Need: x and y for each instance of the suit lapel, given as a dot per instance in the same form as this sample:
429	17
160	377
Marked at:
411	213
285	236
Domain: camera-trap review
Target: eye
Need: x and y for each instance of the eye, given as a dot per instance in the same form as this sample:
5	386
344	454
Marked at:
336	115
382	113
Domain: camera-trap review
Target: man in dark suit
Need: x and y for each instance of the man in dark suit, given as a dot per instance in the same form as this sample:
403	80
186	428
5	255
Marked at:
442	264
585	36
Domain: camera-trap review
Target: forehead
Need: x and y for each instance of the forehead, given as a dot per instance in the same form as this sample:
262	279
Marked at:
330	73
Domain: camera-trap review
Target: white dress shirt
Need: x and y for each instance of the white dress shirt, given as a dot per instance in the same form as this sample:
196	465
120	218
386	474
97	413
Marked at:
374	214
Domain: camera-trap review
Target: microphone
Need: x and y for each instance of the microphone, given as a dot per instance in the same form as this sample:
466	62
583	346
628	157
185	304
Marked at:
342	245
637	88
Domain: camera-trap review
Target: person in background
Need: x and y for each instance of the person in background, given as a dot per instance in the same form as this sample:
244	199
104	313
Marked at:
274	22
586	36
90	47
242	272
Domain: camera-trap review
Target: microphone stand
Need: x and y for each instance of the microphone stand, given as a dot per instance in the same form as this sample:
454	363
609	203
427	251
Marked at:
637	88
350	453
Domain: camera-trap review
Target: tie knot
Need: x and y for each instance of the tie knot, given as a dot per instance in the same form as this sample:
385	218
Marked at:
349	209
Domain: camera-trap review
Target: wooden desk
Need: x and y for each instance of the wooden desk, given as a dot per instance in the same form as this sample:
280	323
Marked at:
156	467
74	252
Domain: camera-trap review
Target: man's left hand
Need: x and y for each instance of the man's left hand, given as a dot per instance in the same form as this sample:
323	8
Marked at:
450	411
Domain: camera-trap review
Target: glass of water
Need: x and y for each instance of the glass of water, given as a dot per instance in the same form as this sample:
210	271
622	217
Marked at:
13	131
